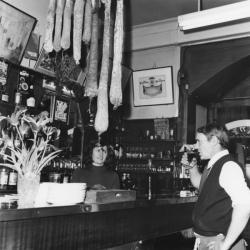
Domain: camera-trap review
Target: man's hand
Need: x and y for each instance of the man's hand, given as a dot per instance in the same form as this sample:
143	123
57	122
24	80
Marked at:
186	163
218	244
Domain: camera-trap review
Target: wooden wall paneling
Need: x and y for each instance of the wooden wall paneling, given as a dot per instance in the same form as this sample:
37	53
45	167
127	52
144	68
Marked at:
95	230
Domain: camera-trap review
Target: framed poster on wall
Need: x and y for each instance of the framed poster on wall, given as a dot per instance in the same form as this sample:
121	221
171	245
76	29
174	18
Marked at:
153	86
15	29
61	109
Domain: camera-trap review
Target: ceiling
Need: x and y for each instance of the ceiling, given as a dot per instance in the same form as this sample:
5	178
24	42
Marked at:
144	11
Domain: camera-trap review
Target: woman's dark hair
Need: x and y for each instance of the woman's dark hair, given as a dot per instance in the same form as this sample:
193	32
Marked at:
87	154
214	129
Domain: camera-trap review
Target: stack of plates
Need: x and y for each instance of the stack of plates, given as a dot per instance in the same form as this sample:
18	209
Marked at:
57	194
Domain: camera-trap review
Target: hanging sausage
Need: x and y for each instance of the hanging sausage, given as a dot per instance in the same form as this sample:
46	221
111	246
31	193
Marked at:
65	41
102	116
116	79
58	26
77	32
91	81
87	23
48	40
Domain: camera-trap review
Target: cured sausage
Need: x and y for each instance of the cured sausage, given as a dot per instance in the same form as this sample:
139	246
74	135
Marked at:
77	32
115	93
86	36
91	83
48	40
102	116
65	41
58	26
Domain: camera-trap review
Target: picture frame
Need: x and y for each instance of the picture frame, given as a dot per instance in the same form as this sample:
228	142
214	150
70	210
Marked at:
46	63
153	86
16	27
61	109
32	49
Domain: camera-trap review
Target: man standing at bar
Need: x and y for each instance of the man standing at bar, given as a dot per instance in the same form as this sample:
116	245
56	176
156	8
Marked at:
223	206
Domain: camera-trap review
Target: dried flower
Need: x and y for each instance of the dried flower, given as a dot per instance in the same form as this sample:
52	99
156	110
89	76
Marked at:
25	141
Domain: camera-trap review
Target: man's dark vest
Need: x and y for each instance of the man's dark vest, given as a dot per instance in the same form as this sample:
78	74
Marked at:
213	210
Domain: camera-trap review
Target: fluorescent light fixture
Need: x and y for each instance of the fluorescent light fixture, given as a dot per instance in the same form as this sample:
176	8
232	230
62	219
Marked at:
213	16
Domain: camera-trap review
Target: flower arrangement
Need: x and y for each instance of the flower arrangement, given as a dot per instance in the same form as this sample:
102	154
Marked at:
25	142
25	147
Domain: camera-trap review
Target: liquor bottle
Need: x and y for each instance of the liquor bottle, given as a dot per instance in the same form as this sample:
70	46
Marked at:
4	94
18	95
12	182
55	175
30	102
4	176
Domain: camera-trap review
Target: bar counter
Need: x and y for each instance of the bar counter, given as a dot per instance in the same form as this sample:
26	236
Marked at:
93	226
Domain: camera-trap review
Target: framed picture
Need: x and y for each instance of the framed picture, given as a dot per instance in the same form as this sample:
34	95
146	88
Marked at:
32	49
15	29
61	109
46	63
153	86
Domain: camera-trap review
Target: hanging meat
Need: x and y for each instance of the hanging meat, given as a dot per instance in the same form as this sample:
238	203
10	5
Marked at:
65	41
102	116
116	79
87	23
48	40
77	32
91	81
58	26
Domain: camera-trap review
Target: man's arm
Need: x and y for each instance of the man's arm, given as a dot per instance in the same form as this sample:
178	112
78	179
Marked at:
195	176
233	182
239	220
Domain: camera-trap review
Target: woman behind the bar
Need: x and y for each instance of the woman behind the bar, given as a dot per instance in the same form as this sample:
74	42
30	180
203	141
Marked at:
96	172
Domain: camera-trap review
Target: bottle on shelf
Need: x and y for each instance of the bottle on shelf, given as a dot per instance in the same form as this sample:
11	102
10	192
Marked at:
4	94
12	181
55	175
30	102
3	81
4	177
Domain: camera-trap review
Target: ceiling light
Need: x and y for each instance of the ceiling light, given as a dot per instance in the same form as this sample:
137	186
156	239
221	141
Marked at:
214	16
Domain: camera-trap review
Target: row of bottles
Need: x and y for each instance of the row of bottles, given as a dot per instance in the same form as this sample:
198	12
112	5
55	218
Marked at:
145	167
4	96
25	90
59	171
142	152
8	179
24	94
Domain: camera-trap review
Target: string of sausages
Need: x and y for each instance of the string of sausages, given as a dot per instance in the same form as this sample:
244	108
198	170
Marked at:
86	29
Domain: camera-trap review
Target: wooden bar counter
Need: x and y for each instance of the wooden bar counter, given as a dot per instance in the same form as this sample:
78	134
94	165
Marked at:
93	226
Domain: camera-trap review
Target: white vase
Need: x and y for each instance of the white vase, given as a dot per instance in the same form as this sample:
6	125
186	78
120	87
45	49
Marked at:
27	189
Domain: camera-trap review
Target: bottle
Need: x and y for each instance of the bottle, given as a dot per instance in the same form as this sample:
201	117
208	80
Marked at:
5	95
149	187
55	175
18	97
4	176
12	183
30	102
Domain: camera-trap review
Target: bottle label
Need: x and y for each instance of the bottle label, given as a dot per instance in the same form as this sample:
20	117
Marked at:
5	97
18	98
13	179
54	177
3	178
